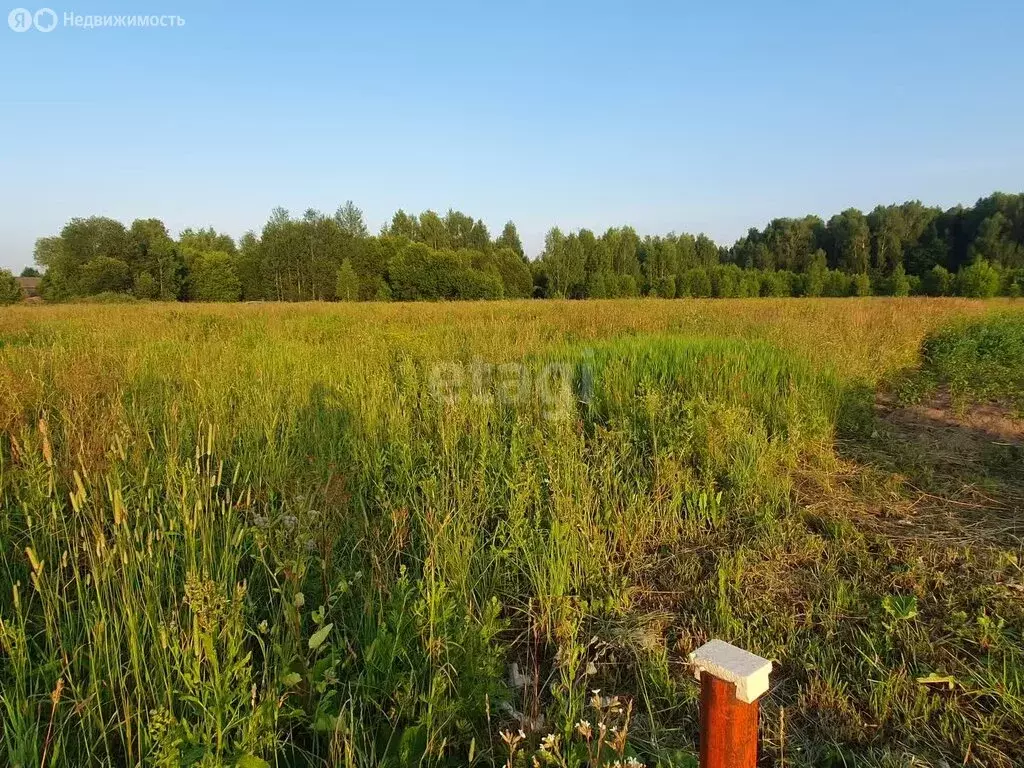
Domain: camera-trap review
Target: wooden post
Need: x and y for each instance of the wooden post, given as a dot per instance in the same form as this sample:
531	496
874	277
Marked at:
731	681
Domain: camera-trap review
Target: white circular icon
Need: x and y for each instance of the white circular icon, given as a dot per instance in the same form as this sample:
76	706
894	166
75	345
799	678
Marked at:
45	19
20	19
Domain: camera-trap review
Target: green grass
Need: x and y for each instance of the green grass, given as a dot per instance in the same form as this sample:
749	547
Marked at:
978	360
235	534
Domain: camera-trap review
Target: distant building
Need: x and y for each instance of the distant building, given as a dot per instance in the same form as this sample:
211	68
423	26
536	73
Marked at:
29	286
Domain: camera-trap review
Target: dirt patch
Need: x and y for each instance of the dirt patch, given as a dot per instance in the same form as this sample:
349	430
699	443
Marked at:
987	422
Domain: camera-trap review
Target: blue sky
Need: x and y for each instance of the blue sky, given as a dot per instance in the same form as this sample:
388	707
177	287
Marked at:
678	116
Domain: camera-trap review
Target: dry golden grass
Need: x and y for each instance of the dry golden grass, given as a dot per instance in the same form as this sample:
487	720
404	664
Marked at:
236	533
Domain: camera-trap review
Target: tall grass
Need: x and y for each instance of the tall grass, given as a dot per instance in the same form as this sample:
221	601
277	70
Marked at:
240	535
978	359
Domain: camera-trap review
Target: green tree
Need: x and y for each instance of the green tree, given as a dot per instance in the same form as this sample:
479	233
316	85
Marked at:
516	280
978	280
104	274
208	239
696	282
10	291
995	244
80	241
252	269
146	286
432	231
850	237
475	284
564	260
156	254
816	275
938	281
31	272
597	286
402	225
665	287
705	251
347	286
418	272
838	284
509	238
898	284
214	277
776	283
350	220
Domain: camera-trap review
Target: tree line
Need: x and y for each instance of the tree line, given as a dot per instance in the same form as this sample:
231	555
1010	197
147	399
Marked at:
899	250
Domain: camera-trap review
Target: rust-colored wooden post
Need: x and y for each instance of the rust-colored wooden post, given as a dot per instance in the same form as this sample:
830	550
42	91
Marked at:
731	681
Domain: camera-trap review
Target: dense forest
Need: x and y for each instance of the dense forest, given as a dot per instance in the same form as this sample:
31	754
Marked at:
898	250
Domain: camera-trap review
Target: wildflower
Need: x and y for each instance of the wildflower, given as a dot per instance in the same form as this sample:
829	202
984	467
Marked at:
512	742
512	739
618	740
549	743
584	729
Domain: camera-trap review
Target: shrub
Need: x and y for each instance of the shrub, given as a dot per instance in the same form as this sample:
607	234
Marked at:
775	283
597	286
145	286
694	282
109	297
938	281
10	291
837	284
627	287
214	277
475	284
979	360
725	281
979	280
814	281
665	287
899	283
383	291
861	285
1013	283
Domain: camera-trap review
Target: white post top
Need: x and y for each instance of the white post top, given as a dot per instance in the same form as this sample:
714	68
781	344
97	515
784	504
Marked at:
749	673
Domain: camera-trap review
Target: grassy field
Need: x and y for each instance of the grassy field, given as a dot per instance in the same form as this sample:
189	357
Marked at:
395	534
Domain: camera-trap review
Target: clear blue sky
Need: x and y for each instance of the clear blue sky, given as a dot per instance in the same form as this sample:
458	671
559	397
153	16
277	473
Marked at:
678	116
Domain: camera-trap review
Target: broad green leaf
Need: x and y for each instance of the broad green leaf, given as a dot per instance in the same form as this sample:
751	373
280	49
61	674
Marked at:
319	636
